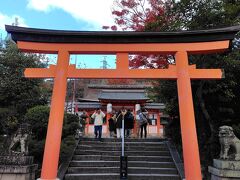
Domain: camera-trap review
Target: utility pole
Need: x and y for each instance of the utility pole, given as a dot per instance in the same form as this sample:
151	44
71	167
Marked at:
104	62
16	23
74	90
1	40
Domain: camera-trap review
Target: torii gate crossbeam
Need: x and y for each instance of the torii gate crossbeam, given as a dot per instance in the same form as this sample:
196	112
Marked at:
180	44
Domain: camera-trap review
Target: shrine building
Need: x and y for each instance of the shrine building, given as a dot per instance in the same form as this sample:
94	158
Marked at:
118	96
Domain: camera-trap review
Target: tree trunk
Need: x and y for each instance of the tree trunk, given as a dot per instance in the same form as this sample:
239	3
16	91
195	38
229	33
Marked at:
199	94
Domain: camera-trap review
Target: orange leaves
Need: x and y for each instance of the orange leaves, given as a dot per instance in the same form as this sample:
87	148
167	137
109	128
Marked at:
137	14
143	15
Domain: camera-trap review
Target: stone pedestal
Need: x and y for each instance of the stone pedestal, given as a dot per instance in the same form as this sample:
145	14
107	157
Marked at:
225	170
17	168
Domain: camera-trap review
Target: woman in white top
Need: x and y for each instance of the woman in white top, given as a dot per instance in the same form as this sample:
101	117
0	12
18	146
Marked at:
98	122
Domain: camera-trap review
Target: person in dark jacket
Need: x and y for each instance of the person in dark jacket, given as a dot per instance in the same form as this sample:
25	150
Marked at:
128	123
120	116
144	122
112	125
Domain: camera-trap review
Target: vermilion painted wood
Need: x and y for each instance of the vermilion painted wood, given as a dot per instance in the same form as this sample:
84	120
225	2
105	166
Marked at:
122	44
200	47
54	132
159	126
126	73
181	72
192	165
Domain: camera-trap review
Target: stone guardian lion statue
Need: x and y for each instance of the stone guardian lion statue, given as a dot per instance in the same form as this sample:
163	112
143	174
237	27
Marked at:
228	139
21	137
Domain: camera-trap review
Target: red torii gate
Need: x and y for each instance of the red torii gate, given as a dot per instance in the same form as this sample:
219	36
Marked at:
122	44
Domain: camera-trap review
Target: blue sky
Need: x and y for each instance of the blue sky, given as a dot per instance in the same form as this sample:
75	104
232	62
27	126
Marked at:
81	15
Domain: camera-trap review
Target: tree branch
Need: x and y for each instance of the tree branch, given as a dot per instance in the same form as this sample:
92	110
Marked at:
199	94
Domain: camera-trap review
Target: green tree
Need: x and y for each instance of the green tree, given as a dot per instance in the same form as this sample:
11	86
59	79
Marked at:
38	117
17	93
216	102
207	14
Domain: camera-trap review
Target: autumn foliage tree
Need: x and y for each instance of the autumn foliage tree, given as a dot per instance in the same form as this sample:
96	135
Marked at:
215	102
145	15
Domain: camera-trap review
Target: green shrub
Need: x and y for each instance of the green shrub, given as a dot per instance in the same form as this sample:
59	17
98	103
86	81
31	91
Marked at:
38	118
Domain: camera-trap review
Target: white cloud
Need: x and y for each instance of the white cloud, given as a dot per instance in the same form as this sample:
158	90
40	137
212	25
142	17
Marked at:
9	20
97	12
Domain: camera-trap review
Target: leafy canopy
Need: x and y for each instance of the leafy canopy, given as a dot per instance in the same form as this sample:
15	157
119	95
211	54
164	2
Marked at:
17	93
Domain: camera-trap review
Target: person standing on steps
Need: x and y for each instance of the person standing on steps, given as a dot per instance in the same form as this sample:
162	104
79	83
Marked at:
83	119
98	116
138	123
120	117
129	123
143	122
112	125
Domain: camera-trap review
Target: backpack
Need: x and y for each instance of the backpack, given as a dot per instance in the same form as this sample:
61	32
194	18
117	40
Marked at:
142	119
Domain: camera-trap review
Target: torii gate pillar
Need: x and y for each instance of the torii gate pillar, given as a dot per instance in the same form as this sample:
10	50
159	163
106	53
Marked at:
54	131
122	44
188	128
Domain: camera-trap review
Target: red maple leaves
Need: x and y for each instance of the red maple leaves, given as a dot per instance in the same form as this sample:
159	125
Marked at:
143	15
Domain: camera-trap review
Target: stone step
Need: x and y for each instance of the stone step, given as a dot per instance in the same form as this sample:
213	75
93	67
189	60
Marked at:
93	143
133	170
117	158
115	176
148	159
117	164
126	139
118	147
118	153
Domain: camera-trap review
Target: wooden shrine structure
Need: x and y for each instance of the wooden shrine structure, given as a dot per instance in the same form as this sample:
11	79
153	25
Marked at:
180	44
118	96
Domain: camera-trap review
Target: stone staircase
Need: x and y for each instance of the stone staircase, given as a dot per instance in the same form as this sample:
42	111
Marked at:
148	159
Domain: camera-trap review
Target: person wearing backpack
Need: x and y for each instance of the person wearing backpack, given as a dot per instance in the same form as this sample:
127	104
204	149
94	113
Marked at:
138	123
143	122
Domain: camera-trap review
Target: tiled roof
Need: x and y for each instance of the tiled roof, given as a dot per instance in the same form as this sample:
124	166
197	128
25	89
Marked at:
88	105
123	95
155	106
106	86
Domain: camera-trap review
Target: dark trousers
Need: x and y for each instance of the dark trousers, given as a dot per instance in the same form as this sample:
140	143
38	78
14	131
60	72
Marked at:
127	132
144	126
98	131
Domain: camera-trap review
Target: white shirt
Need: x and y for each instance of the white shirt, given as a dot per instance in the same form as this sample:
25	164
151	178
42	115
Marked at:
98	118
137	117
